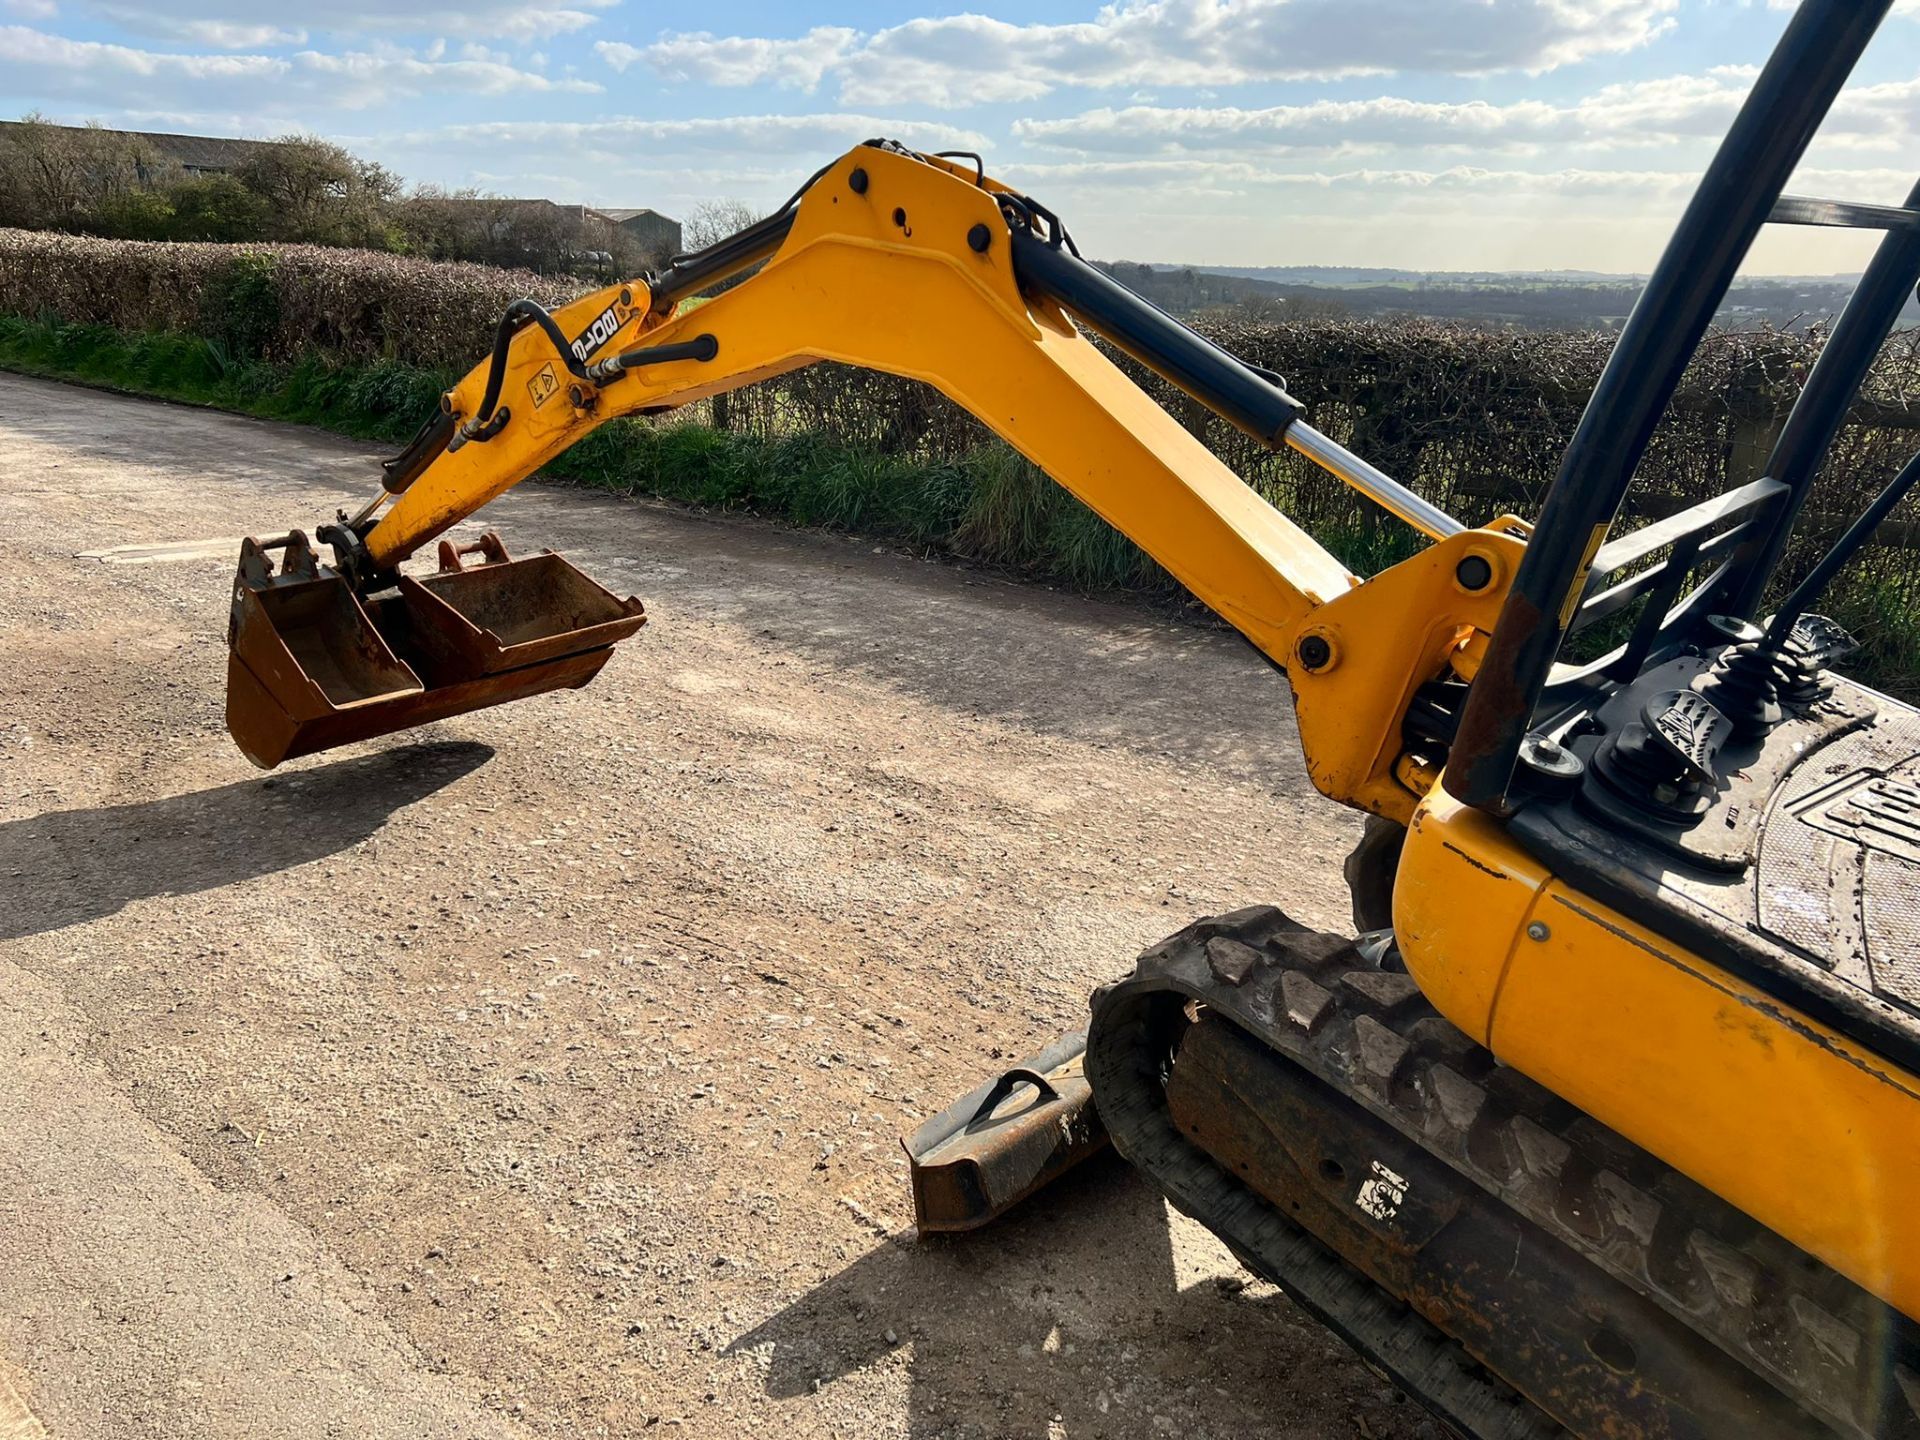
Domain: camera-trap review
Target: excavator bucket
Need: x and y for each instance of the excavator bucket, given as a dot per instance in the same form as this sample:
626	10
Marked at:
311	665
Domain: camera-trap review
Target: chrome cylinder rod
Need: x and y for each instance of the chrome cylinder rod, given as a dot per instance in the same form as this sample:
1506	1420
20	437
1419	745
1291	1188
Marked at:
366	511
1376	485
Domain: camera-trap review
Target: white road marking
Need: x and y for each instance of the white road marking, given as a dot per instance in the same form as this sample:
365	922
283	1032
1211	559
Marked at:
220	548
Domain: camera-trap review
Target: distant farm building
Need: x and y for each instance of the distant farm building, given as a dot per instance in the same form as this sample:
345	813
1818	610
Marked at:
193	154
649	229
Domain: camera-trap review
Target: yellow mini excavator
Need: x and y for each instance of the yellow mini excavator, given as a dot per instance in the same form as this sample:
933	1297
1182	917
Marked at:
1609	1119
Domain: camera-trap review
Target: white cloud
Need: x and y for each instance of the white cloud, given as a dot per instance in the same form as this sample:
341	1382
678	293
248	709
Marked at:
30	9
118	77
205	21
672	165
969	59
791	64
1907	8
1256	184
1186	208
1226	177
1883	116
814	138
356	79
1461	217
1325	125
222	34
1878	179
1640	113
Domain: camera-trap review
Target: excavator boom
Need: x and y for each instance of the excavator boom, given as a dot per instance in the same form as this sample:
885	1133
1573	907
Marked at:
914	265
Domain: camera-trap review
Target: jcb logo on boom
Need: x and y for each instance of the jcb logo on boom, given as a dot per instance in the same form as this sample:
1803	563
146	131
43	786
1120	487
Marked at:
596	334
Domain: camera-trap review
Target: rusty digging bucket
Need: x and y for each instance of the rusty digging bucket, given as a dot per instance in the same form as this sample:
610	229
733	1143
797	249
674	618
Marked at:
311	665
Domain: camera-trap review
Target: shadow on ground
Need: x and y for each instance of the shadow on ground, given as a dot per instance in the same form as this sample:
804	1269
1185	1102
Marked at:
1120	670
1069	1317
66	867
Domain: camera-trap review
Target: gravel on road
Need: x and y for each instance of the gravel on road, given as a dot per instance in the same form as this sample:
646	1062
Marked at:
541	1073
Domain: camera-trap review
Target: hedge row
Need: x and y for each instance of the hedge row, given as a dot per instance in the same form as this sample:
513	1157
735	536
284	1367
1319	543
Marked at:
268	302
1473	419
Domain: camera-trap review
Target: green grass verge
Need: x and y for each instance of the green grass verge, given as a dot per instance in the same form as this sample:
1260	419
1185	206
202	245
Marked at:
375	402
990	506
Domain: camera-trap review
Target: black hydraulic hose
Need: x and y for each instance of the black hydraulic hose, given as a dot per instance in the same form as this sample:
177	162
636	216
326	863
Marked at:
519	313
687	274
1858	533
684	275
421	451
979	163
700	347
443	431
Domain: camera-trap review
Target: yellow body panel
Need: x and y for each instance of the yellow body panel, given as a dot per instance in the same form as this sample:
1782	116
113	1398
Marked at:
1386	637
1806	1131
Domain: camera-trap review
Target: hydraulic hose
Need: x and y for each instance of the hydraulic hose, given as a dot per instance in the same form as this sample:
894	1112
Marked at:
519	313
700	347
687	274
442	431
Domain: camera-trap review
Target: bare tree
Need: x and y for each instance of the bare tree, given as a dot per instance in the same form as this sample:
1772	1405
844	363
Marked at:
632	256
58	176
442	224
712	221
319	192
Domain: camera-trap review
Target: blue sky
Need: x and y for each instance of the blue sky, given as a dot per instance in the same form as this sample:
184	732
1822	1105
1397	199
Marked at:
1432	134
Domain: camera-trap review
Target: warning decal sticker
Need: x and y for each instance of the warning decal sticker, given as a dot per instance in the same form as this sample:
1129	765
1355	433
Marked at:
542	386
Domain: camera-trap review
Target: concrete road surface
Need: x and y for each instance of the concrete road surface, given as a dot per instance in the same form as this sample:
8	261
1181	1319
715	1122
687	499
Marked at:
540	1073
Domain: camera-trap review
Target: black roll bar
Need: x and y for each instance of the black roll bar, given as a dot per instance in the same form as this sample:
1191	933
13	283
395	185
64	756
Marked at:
1822	406
1821	45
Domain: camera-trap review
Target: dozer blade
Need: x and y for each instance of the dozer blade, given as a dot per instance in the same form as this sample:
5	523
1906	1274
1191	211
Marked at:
990	1149
311	665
